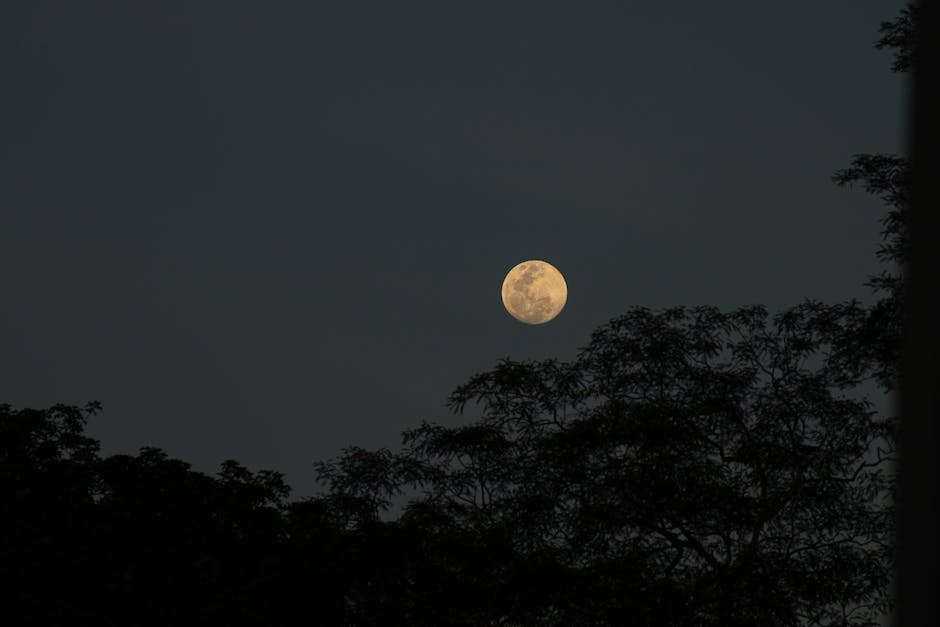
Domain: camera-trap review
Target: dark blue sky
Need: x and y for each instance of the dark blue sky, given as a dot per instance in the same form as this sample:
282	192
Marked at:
269	230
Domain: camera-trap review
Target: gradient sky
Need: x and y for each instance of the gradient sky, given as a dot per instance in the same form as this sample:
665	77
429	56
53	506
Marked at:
269	230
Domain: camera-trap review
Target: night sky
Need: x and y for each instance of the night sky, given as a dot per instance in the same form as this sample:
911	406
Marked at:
270	230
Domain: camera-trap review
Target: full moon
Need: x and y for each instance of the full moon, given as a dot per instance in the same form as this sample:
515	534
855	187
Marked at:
534	292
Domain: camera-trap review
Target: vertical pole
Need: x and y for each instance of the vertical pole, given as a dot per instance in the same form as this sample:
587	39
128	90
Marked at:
919	522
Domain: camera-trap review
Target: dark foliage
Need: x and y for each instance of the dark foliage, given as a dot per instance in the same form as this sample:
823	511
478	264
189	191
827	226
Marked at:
690	467
900	34
878	339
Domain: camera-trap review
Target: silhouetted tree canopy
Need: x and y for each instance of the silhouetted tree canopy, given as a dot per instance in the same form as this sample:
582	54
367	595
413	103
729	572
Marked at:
690	467
887	176
900	34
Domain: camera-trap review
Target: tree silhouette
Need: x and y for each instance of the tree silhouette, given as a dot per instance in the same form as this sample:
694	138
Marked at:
690	467
141	540
876	348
